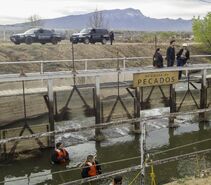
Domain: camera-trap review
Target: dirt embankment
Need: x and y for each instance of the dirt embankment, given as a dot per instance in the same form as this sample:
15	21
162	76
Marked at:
10	52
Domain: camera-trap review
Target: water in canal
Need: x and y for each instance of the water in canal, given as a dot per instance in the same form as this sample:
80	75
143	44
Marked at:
120	143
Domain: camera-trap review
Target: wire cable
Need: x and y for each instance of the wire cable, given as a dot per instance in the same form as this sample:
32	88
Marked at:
134	178
179	147
135	168
101	125
112	162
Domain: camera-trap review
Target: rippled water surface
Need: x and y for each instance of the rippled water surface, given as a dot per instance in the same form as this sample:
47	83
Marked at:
120	143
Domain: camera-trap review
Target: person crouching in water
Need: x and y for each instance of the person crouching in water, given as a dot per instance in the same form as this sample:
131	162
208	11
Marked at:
91	167
157	59
60	154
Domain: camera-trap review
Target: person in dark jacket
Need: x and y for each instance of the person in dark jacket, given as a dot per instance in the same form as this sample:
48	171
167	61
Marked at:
170	54
111	36
91	167
157	59
60	154
117	180
182	56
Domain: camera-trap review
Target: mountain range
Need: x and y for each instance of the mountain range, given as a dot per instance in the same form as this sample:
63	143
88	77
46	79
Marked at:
117	19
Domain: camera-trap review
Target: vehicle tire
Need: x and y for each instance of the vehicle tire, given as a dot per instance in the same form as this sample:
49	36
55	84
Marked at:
74	42
54	41
86	41
104	41
28	40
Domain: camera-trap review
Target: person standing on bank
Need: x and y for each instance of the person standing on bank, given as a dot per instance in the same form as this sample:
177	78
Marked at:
60	154
111	36
157	59
170	54
182	56
91	167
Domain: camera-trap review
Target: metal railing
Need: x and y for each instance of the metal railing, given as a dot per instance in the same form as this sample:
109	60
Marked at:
123	60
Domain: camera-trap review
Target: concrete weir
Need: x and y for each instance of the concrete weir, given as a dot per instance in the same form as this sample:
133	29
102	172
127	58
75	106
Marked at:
99	91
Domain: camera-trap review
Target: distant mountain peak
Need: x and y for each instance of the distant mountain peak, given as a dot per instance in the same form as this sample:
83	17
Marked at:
119	19
127	11
134	12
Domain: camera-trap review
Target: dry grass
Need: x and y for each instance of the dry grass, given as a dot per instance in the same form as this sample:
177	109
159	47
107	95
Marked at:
23	52
193	181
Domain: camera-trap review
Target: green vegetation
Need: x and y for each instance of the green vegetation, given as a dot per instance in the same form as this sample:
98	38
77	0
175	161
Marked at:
150	37
202	30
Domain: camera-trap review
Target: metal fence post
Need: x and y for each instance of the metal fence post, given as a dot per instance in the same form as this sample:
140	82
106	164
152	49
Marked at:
172	104
51	111
97	105
137	110
124	63
41	67
0	144
4	137
86	65
203	94
86	68
42	71
143	150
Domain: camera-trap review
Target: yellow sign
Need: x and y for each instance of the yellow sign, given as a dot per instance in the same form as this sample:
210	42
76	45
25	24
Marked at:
155	78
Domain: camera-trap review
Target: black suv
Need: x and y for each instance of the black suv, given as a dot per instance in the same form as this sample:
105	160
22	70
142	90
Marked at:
90	36
38	35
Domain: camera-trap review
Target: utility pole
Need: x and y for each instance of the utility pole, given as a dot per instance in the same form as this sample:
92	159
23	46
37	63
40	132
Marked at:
156	41
4	34
143	149
73	59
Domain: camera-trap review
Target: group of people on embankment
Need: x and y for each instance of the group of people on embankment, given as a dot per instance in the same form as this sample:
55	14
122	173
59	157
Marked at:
181	56
89	168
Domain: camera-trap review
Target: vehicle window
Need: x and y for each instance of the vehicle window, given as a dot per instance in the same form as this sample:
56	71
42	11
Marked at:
85	31
104	31
47	32
31	31
41	30
93	30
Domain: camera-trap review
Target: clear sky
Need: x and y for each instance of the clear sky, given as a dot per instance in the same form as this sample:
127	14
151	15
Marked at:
13	11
